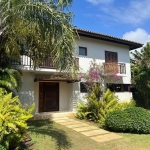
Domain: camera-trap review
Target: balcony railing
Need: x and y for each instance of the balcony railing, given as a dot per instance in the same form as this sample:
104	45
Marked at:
119	68
27	61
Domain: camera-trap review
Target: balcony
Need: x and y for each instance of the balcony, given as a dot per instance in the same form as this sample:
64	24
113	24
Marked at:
27	62
119	68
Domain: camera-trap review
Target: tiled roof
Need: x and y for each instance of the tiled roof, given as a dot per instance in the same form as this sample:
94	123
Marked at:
132	45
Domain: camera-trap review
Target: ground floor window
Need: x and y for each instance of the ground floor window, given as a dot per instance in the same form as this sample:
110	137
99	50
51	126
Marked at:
119	87
83	88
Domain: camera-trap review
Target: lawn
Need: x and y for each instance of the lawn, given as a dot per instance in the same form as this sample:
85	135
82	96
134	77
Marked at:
48	135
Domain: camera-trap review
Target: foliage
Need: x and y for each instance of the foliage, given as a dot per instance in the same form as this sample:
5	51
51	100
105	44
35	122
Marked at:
99	103
13	119
82	109
124	105
38	29
90	110
2	147
134	120
97	74
108	103
93	103
140	70
96	109
10	79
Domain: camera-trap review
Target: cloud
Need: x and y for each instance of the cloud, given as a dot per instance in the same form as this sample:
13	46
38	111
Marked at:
139	35
96	2
134	12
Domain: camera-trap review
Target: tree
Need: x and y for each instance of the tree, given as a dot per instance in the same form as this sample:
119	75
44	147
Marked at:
39	28
10	80
140	71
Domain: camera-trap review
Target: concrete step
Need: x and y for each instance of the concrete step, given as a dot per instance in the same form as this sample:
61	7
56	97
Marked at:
53	115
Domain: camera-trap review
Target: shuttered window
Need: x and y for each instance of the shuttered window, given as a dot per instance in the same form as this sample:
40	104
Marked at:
111	57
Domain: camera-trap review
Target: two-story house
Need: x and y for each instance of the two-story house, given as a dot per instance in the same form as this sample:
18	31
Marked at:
60	94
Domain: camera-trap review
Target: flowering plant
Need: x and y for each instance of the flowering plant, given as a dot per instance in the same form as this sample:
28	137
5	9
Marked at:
97	74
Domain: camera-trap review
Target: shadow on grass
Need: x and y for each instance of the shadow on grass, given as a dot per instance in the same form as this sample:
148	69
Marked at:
46	127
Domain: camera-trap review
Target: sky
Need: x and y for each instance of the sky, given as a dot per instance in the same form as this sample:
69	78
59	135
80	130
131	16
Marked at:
128	19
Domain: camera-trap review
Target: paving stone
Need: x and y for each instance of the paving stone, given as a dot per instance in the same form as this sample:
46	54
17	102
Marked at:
95	132
106	137
113	136
77	125
69	123
85	128
101	138
64	120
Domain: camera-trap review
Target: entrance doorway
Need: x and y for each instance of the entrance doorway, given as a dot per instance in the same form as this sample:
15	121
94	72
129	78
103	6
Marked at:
48	96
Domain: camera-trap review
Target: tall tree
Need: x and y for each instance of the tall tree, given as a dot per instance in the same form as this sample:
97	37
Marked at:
10	80
40	28
140	71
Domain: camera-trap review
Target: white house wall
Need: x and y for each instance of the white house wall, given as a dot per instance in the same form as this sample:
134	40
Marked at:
70	92
65	100
96	50
124	96
26	94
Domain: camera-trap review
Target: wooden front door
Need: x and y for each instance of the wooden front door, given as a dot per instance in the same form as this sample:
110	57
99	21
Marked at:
48	96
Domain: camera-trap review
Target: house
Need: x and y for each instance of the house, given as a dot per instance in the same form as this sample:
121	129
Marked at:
60	94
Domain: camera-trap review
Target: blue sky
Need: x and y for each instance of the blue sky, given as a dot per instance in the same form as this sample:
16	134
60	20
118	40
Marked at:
129	19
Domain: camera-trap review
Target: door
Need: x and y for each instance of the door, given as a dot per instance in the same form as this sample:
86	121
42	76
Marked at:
111	62
50	97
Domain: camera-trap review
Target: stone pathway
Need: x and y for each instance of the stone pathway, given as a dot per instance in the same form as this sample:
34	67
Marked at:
92	132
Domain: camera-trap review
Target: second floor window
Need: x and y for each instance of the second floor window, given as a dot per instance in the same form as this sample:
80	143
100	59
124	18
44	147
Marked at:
111	57
83	51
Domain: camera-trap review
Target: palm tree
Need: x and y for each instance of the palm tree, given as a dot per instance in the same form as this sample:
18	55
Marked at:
10	79
41	28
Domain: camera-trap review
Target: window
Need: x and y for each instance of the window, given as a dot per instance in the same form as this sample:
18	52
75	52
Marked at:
111	62
83	88
119	87
111	57
83	51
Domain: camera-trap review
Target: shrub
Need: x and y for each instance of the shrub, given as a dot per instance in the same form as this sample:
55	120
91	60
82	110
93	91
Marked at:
124	105
2	147
93	99
82	109
108	103
13	119
134	120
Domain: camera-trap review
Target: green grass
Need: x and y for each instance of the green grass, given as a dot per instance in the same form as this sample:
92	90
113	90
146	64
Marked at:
48	135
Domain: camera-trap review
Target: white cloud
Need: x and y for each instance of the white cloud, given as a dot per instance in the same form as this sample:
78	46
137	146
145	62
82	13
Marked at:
96	2
139	35
135	12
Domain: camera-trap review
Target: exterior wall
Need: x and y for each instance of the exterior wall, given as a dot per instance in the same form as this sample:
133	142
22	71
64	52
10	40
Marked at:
124	96
29	93
70	92
36	95
96	50
26	94
75	94
65	97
